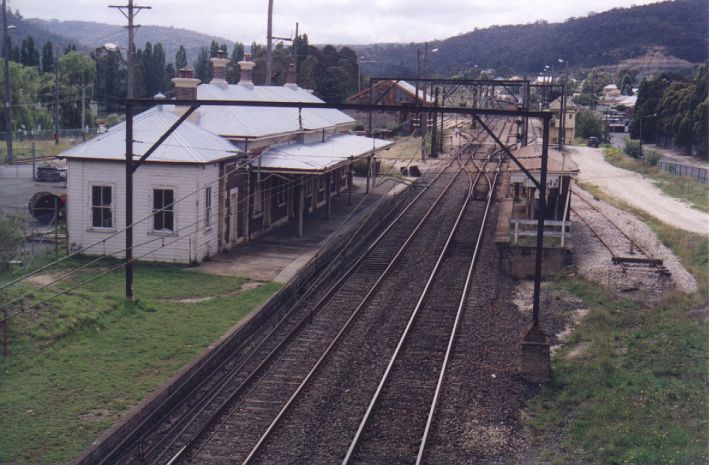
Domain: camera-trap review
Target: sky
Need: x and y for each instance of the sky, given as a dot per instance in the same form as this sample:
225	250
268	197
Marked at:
325	21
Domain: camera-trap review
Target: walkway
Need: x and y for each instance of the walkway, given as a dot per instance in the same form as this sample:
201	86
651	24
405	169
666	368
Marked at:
637	191
280	254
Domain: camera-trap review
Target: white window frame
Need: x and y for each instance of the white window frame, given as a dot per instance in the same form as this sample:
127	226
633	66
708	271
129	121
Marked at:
163	232
112	207
208	208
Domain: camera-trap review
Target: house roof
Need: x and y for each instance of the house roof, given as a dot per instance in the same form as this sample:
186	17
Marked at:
188	144
317	157
556	104
255	122
403	85
411	89
530	157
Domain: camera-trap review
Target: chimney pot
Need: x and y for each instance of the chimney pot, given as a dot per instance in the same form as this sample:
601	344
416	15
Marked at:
185	85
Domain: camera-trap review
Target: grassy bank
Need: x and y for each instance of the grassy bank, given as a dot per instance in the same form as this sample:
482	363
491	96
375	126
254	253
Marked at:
688	189
22	150
81	361
630	387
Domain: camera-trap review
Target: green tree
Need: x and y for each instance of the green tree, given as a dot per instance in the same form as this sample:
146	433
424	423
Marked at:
109	84
202	66
29	56
181	58
588	124
12	239
48	58
77	70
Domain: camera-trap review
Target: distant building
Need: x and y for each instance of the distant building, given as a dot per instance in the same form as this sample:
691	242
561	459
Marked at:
389	93
569	121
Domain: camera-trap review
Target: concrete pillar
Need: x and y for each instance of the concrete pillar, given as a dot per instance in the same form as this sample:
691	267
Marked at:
535	360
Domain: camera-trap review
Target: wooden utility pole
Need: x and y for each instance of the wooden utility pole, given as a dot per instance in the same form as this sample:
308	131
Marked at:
8	97
56	96
129	11
269	44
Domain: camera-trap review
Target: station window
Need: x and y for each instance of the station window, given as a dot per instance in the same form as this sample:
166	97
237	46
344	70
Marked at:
163	210
207	207
102	206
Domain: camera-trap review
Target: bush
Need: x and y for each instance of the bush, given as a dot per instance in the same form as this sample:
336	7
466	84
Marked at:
589	124
652	157
632	148
11	240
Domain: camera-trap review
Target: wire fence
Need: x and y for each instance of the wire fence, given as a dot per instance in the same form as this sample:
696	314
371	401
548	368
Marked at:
679	169
50	134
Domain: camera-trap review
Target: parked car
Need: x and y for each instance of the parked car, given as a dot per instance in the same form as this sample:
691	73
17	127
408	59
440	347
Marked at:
592	142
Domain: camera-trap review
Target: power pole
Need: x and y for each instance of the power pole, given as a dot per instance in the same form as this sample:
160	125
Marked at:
269	43
56	97
129	11
8	98
83	111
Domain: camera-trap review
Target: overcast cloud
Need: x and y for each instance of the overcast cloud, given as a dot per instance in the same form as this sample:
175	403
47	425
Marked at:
325	21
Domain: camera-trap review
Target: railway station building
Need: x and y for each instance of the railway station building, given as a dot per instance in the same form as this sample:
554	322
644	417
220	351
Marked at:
388	92
226	175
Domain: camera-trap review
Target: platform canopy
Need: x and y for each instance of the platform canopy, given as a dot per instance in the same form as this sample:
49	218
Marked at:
318	157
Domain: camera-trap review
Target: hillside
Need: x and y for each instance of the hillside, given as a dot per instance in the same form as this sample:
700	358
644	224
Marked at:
679	28
40	34
90	35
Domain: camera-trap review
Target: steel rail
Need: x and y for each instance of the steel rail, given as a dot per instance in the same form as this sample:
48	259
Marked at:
255	450
414	314
456	324
249	356
195	438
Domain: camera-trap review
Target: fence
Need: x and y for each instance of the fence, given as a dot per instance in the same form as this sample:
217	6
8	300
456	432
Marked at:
679	169
524	232
74	134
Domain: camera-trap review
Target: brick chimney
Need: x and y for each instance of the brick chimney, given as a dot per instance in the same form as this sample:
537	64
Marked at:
219	64
246	67
186	85
291	78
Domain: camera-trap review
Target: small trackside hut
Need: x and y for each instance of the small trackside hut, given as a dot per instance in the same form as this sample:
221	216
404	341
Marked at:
517	224
227	174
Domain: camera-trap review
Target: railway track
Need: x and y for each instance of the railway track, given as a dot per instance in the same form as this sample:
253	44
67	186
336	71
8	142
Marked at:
318	427
624	250
255	415
224	418
191	418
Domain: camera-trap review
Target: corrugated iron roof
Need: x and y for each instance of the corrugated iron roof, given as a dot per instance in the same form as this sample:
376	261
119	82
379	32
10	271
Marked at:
320	156
253	122
188	144
410	88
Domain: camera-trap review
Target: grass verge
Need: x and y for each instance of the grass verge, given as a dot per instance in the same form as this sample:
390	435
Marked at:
80	362
688	189
636	394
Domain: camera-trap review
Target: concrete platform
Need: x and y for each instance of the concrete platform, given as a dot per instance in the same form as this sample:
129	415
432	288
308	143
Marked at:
279	254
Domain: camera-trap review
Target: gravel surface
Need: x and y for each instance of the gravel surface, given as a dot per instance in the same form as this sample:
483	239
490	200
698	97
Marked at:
593	260
637	191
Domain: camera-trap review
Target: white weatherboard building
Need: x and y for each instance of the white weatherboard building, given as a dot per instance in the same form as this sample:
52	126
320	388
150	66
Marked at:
225	176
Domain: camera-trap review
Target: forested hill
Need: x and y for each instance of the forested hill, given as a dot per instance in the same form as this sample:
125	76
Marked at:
679	27
88	35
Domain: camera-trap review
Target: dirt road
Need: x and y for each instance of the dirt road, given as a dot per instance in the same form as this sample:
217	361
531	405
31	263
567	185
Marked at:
637	191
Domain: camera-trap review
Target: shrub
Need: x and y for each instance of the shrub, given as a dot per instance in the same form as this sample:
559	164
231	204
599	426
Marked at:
632	148
11	240
652	157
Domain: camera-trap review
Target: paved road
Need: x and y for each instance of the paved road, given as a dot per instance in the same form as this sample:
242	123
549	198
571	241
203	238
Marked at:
637	191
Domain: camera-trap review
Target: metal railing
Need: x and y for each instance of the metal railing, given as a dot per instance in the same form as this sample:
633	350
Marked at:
680	169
